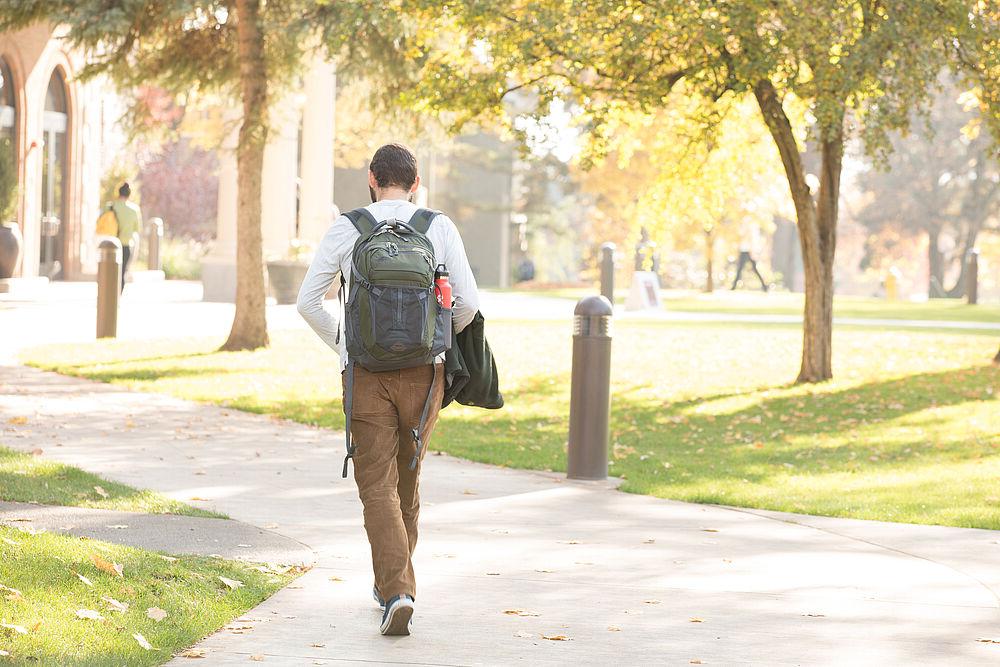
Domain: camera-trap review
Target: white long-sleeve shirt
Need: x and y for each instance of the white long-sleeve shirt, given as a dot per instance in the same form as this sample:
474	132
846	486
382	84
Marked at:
333	258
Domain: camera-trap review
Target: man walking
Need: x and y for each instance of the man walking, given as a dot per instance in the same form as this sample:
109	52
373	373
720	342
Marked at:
129	218
385	407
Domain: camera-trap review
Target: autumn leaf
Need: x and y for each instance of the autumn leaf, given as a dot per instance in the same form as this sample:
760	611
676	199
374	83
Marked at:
988	640
19	629
118	526
115	604
192	653
105	566
257	657
17	420
11	593
85	580
651	601
169	559
231	583
37	451
335	579
614	628
89	613
156	614
142	641
520	612
695	661
101	492
696	620
557	638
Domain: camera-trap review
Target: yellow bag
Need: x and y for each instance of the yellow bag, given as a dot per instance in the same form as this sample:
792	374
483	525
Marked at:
107	224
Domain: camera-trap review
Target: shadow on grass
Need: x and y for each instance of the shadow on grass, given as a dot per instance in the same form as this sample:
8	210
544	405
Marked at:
25	478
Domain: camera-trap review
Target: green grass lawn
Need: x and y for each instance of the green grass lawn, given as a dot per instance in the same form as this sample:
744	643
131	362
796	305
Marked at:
744	302
909	430
34	479
41	595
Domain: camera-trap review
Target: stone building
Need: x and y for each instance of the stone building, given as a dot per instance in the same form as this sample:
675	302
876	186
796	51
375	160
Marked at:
63	136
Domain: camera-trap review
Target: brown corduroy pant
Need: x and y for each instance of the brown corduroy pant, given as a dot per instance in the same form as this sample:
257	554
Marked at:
387	406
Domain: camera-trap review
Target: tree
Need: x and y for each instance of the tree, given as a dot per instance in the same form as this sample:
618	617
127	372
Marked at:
249	49
660	173
941	180
860	67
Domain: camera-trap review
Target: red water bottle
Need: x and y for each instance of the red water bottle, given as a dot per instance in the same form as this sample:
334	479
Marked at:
442	288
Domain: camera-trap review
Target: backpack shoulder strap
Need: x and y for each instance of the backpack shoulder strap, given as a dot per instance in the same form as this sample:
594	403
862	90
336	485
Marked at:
422	218
362	219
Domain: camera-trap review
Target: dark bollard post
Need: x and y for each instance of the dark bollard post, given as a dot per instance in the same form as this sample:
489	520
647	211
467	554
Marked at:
972	278
109	279
590	390
608	271
155	238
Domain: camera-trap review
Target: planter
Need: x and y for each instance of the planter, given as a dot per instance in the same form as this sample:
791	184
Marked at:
10	248
285	277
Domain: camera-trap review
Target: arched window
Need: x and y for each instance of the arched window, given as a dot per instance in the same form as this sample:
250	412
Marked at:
8	108
54	154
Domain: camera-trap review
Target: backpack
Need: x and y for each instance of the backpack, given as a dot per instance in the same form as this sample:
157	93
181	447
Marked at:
107	222
392	319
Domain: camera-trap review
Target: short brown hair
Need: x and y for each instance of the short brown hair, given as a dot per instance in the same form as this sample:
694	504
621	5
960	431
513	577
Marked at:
394	164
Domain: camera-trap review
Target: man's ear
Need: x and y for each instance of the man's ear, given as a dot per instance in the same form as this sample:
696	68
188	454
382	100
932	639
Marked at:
416	184
371	180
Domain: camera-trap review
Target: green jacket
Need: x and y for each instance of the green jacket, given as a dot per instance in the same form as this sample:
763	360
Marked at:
470	370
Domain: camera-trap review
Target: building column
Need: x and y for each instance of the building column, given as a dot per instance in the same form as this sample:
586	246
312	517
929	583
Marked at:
279	189
318	130
218	268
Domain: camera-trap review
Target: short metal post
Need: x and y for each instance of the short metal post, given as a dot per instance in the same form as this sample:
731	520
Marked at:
155	233
972	278
109	279
590	390
608	271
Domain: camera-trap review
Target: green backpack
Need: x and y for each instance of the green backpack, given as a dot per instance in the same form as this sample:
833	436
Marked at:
392	317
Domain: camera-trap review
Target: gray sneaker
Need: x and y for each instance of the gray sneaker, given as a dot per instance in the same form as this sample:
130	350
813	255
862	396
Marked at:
378	598
396	619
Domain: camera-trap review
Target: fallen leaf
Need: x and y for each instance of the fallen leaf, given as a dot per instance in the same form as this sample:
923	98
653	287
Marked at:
545	571
232	583
988	640
696	620
37	451
17	420
169	559
651	601
557	638
649	541
115	604
569	542
101	492
469	492
11	542
245	546
84	579
695	661
520	612
270	526
119	526
142	641
11	593
198	498
19	629
192	653
105	566
492	574
709	530
4	654
335	579
257	657
318	645
614	628
156	614
815	615
89	613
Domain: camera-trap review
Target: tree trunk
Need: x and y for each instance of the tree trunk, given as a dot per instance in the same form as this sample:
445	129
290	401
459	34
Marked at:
959	288
250	323
935	263
709	251
996	359
817	224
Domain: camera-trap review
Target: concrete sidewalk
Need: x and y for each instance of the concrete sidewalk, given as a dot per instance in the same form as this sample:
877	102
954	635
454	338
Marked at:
170	533
508	558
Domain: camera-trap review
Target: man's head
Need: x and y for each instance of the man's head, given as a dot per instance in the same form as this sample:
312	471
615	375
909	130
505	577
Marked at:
124	191
392	173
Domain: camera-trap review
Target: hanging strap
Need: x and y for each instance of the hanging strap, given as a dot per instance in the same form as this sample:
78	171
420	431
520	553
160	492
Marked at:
348	408
423	419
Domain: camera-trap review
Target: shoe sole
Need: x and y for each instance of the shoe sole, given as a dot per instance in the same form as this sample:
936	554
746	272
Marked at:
398	623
